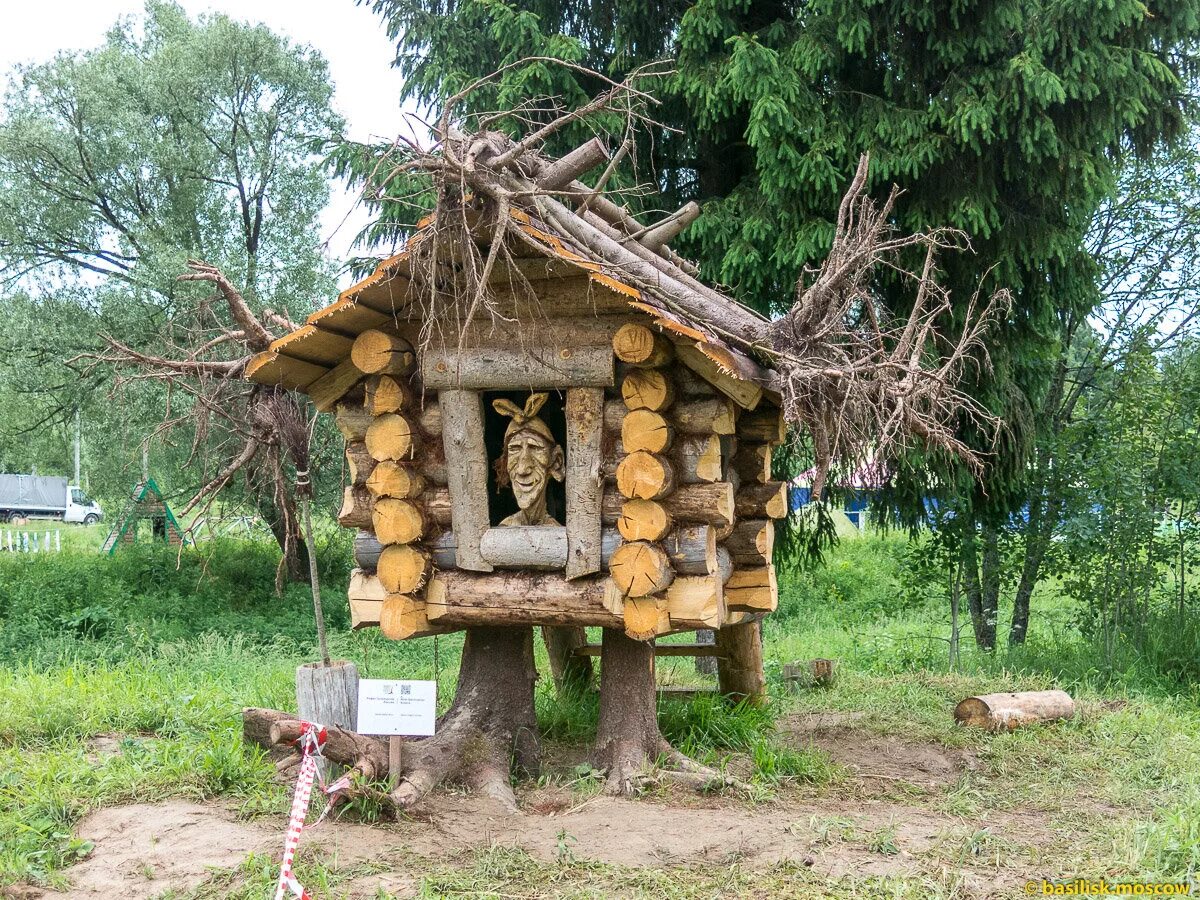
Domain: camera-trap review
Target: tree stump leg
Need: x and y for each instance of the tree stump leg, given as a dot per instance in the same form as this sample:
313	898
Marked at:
628	741
490	725
740	667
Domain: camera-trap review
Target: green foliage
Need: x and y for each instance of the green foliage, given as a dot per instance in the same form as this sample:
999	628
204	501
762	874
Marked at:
998	117
174	139
86	605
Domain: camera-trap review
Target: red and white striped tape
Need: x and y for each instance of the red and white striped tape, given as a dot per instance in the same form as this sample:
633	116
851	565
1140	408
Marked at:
312	737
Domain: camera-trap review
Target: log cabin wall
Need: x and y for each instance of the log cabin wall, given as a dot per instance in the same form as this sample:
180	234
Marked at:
670	503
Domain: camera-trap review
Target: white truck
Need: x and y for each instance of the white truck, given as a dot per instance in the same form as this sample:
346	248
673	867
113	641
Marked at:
45	497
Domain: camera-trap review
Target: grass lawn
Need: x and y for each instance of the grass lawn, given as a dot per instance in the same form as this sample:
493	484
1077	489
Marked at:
121	683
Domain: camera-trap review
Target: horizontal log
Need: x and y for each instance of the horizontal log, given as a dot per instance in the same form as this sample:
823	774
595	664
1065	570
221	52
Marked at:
643	429
650	389
644	520
364	613
1003	712
525	547
692	549
366	550
751	542
380	353
359	463
712	415
752	590
397	521
765	424
752	462
393	479
640	568
543	367
696	601
429	419
402	617
761	501
698	459
645	476
708	503
386	394
639	346
353	421
366	586
391	437
356	508
668	650
522	598
403	568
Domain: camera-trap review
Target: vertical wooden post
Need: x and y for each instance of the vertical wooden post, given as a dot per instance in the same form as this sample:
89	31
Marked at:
395	757
740	666
585	424
466	474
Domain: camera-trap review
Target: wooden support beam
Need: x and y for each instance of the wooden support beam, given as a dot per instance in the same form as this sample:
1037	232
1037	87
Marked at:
327	390
584	485
543	367
740	668
466	473
522	598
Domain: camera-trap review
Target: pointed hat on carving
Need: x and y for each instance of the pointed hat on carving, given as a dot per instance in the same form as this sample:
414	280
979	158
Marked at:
525	419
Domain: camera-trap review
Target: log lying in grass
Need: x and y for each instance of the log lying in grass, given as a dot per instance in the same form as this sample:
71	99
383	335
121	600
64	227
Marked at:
1003	712
276	730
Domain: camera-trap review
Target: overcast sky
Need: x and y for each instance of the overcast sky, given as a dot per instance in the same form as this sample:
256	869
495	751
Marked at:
350	37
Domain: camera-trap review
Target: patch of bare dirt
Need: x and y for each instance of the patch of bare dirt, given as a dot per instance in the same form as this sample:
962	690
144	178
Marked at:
144	850
870	756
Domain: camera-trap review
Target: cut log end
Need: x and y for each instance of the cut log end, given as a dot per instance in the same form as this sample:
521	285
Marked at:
645	476
639	346
643	520
379	353
639	569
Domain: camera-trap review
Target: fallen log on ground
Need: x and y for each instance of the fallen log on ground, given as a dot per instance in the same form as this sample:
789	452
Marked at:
276	730
1003	712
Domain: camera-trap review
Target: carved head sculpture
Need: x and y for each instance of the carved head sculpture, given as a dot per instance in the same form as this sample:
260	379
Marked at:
531	458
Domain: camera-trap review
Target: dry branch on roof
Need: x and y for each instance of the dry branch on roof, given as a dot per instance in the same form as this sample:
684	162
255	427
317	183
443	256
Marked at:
855	378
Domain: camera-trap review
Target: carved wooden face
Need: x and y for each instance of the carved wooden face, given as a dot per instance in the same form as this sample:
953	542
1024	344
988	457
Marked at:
532	461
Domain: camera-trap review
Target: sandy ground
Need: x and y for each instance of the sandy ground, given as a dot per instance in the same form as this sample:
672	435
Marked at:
145	849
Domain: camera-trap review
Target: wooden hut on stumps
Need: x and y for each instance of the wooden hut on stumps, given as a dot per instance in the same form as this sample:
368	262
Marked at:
550	421
663	517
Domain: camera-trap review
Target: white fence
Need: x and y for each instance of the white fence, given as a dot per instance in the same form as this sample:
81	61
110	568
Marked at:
31	542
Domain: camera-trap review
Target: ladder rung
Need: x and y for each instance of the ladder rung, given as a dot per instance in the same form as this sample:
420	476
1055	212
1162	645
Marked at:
662	650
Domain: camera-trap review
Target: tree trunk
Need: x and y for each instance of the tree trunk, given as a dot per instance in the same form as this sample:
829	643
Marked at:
985	633
490	727
281	522
1043	514
627	736
628	741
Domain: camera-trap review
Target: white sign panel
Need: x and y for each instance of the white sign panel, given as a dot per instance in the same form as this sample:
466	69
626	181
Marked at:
396	707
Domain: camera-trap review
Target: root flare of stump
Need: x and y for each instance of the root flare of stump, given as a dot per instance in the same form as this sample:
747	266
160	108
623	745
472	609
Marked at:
489	727
630	749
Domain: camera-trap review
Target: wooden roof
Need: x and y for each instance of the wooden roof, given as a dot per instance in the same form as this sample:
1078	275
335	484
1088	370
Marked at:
299	359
